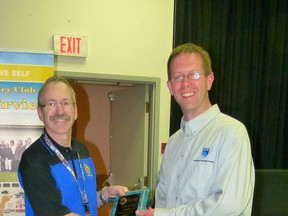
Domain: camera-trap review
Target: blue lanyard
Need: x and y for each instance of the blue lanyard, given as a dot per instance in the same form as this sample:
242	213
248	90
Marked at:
68	167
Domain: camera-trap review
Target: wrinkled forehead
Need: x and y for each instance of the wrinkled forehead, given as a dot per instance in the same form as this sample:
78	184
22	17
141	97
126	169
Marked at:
56	91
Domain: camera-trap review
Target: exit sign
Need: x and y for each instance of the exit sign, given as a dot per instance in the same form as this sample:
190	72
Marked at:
70	45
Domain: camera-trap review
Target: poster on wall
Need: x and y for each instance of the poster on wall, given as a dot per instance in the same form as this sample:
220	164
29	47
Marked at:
21	76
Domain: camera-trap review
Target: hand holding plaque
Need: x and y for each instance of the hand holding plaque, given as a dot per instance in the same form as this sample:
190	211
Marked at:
132	200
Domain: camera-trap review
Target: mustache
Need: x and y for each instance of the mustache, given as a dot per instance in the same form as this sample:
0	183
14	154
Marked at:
60	117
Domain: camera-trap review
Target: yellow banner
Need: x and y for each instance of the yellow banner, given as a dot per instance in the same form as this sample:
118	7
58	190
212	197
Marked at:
29	73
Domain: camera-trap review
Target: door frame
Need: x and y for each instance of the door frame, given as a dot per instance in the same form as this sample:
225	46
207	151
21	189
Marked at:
154	109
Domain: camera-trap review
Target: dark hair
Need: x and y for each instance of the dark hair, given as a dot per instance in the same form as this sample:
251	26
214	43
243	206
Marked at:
55	79
190	48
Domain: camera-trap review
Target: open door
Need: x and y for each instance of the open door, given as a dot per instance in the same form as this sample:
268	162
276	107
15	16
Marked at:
129	136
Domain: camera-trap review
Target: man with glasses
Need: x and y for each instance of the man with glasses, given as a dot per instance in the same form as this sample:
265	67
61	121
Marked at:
56	171
207	168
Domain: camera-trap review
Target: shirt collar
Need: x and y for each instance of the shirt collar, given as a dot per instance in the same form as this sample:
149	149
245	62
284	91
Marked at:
193	126
74	146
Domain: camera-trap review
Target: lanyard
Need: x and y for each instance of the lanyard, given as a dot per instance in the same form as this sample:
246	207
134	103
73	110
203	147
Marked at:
68	167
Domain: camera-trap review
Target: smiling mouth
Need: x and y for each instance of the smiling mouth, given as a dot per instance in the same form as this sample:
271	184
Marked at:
60	120
188	94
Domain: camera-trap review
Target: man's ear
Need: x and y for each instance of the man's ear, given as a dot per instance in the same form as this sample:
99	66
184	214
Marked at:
169	85
210	80
40	113
76	112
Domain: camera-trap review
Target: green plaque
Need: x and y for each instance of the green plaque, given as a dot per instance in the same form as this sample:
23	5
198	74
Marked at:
132	200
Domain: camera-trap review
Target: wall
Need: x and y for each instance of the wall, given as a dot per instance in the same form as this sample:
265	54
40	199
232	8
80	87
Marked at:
129	37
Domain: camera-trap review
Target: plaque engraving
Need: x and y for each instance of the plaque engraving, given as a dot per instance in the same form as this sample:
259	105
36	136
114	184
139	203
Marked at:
127	205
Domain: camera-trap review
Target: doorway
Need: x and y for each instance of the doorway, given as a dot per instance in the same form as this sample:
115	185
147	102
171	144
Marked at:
93	123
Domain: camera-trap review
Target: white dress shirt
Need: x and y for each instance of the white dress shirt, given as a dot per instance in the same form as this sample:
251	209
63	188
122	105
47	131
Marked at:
207	169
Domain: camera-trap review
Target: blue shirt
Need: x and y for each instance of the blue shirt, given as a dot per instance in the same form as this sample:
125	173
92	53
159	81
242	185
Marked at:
50	189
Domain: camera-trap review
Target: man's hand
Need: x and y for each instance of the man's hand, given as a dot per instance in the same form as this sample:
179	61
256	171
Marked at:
113	190
147	212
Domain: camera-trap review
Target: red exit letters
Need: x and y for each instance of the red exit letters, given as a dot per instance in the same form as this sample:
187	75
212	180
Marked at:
70	44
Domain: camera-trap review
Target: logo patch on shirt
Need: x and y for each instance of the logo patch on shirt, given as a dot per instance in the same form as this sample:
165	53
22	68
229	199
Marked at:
205	152
87	169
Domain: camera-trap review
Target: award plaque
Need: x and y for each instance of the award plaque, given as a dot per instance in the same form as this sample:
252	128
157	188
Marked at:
132	200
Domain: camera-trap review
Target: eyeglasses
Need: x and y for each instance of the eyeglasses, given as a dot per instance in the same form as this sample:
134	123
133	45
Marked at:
54	105
179	77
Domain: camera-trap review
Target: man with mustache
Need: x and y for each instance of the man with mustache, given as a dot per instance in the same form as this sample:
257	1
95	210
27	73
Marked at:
56	171
207	168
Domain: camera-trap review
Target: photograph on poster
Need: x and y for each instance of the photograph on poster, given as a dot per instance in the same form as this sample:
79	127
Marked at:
13	141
